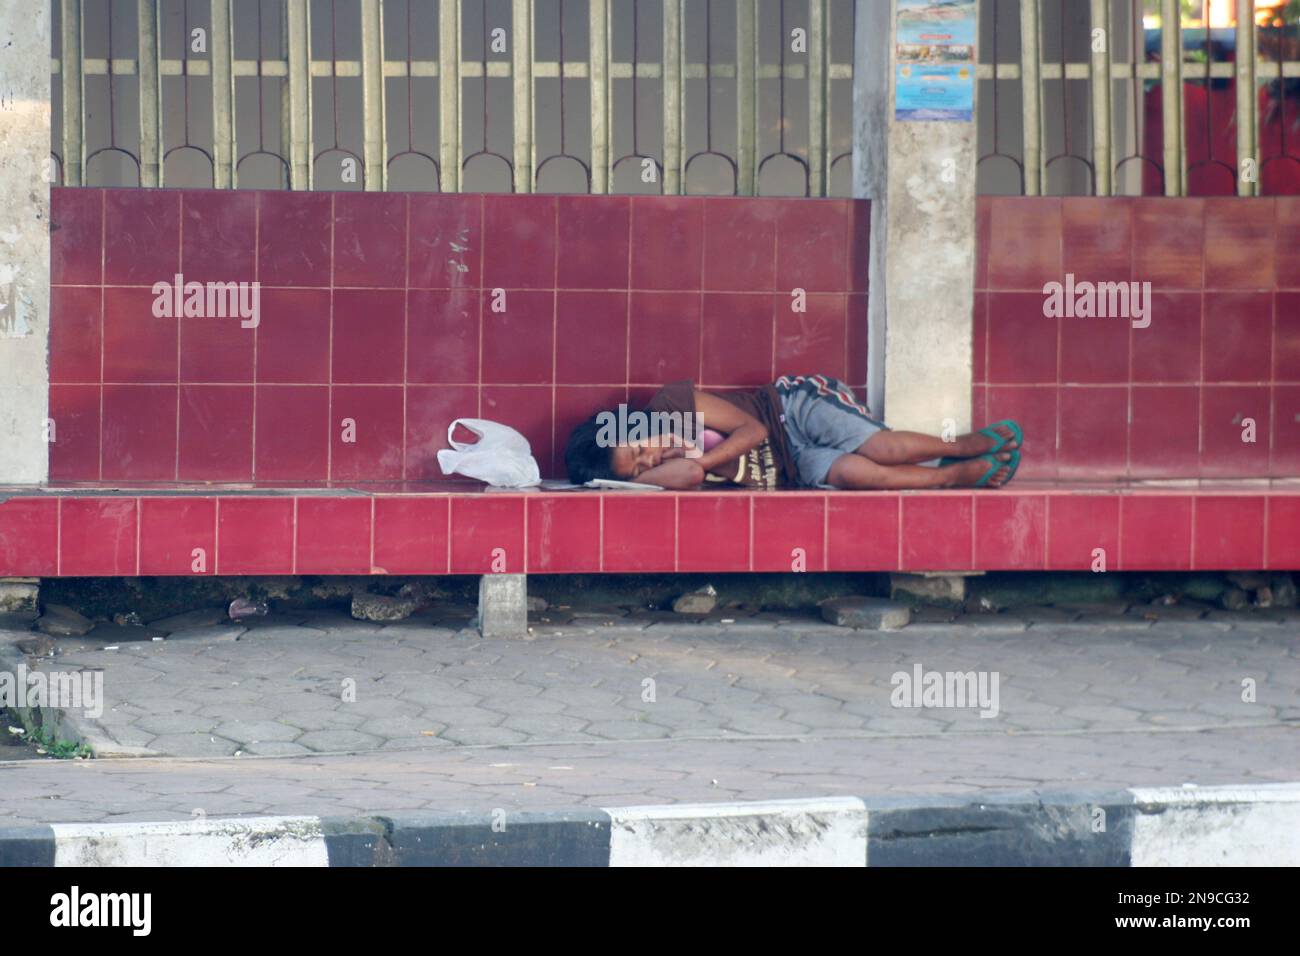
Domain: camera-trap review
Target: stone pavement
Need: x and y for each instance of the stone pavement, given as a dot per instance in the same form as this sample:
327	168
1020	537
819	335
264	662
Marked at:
318	713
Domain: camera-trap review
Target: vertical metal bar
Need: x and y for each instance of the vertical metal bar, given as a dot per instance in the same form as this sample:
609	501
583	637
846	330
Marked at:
73	115
223	97
598	78
1247	100
286	106
1171	95
146	18
372	94
300	142
1102	163
673	141
449	95
1032	92
818	158
747	95
522	74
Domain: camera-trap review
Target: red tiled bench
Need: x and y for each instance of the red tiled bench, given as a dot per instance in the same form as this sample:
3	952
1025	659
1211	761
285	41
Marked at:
458	530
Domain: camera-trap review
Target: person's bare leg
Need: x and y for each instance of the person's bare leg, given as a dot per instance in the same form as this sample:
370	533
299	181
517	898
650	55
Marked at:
904	448
857	473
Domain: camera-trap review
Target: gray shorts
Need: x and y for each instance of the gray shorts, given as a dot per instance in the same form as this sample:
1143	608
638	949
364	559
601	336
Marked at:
819	429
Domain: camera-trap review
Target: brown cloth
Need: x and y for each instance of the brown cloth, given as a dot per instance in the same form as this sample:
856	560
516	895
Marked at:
770	465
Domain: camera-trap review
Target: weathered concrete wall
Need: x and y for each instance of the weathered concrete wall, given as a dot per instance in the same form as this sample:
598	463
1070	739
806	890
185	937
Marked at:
872	107
930	275
25	171
922	292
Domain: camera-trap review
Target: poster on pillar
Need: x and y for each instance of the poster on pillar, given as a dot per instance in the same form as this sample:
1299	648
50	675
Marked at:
934	53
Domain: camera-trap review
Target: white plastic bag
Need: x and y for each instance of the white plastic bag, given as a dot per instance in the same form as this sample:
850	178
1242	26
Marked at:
501	456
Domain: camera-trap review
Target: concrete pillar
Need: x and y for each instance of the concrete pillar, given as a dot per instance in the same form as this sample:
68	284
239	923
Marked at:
26	172
503	605
920	177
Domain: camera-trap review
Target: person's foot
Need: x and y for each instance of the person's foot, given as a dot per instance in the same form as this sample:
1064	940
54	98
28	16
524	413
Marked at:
974	444
968	473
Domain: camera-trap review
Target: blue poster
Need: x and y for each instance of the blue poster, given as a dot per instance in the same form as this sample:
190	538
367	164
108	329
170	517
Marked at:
935	54
924	92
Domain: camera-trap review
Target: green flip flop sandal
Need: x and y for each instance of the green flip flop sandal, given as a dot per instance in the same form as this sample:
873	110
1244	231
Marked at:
1009	423
988	431
995	465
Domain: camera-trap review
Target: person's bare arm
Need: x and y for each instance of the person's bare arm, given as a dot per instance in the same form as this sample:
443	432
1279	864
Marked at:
743	430
679	474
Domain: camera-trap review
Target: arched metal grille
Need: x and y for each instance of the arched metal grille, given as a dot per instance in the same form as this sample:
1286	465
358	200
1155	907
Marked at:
522	95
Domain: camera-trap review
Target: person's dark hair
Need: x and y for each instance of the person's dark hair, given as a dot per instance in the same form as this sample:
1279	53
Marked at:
584	457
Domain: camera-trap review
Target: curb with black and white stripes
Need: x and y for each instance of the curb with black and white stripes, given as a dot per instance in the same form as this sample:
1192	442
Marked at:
1188	826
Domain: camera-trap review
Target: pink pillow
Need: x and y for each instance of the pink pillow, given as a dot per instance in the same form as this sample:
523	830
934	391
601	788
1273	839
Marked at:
709	439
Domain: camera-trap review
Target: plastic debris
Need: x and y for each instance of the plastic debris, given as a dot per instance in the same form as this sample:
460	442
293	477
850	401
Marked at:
244	607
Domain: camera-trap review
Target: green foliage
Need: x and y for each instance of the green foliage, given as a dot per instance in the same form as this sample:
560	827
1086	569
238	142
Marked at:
59	749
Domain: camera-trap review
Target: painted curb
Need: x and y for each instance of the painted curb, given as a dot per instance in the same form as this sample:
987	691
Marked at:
1201	826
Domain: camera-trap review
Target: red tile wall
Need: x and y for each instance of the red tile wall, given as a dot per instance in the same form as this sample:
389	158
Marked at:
1100	399
379	309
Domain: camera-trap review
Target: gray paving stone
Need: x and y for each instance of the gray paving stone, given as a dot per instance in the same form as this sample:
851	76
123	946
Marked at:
274	748
247	732
338	741
193	745
546	725
481	735
626	730
213	633
388	727
175	724
416	743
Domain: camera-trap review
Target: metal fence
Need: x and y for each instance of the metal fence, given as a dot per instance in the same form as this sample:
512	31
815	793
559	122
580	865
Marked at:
1114	97
744	97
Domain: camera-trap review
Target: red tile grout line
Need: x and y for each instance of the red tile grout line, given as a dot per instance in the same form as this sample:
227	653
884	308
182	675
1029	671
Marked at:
329	427
1118	564
627	327
138	508
103	324
483	290
704	245
523	503
180	260
1047	532
58	536
257	332
1191	543
1272	369
826	532
677	531
372	533
776	230
216	535
406	355
974	505
293	557
600	533
555	329
620	289
750	562
899	557
1268	533
450	505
